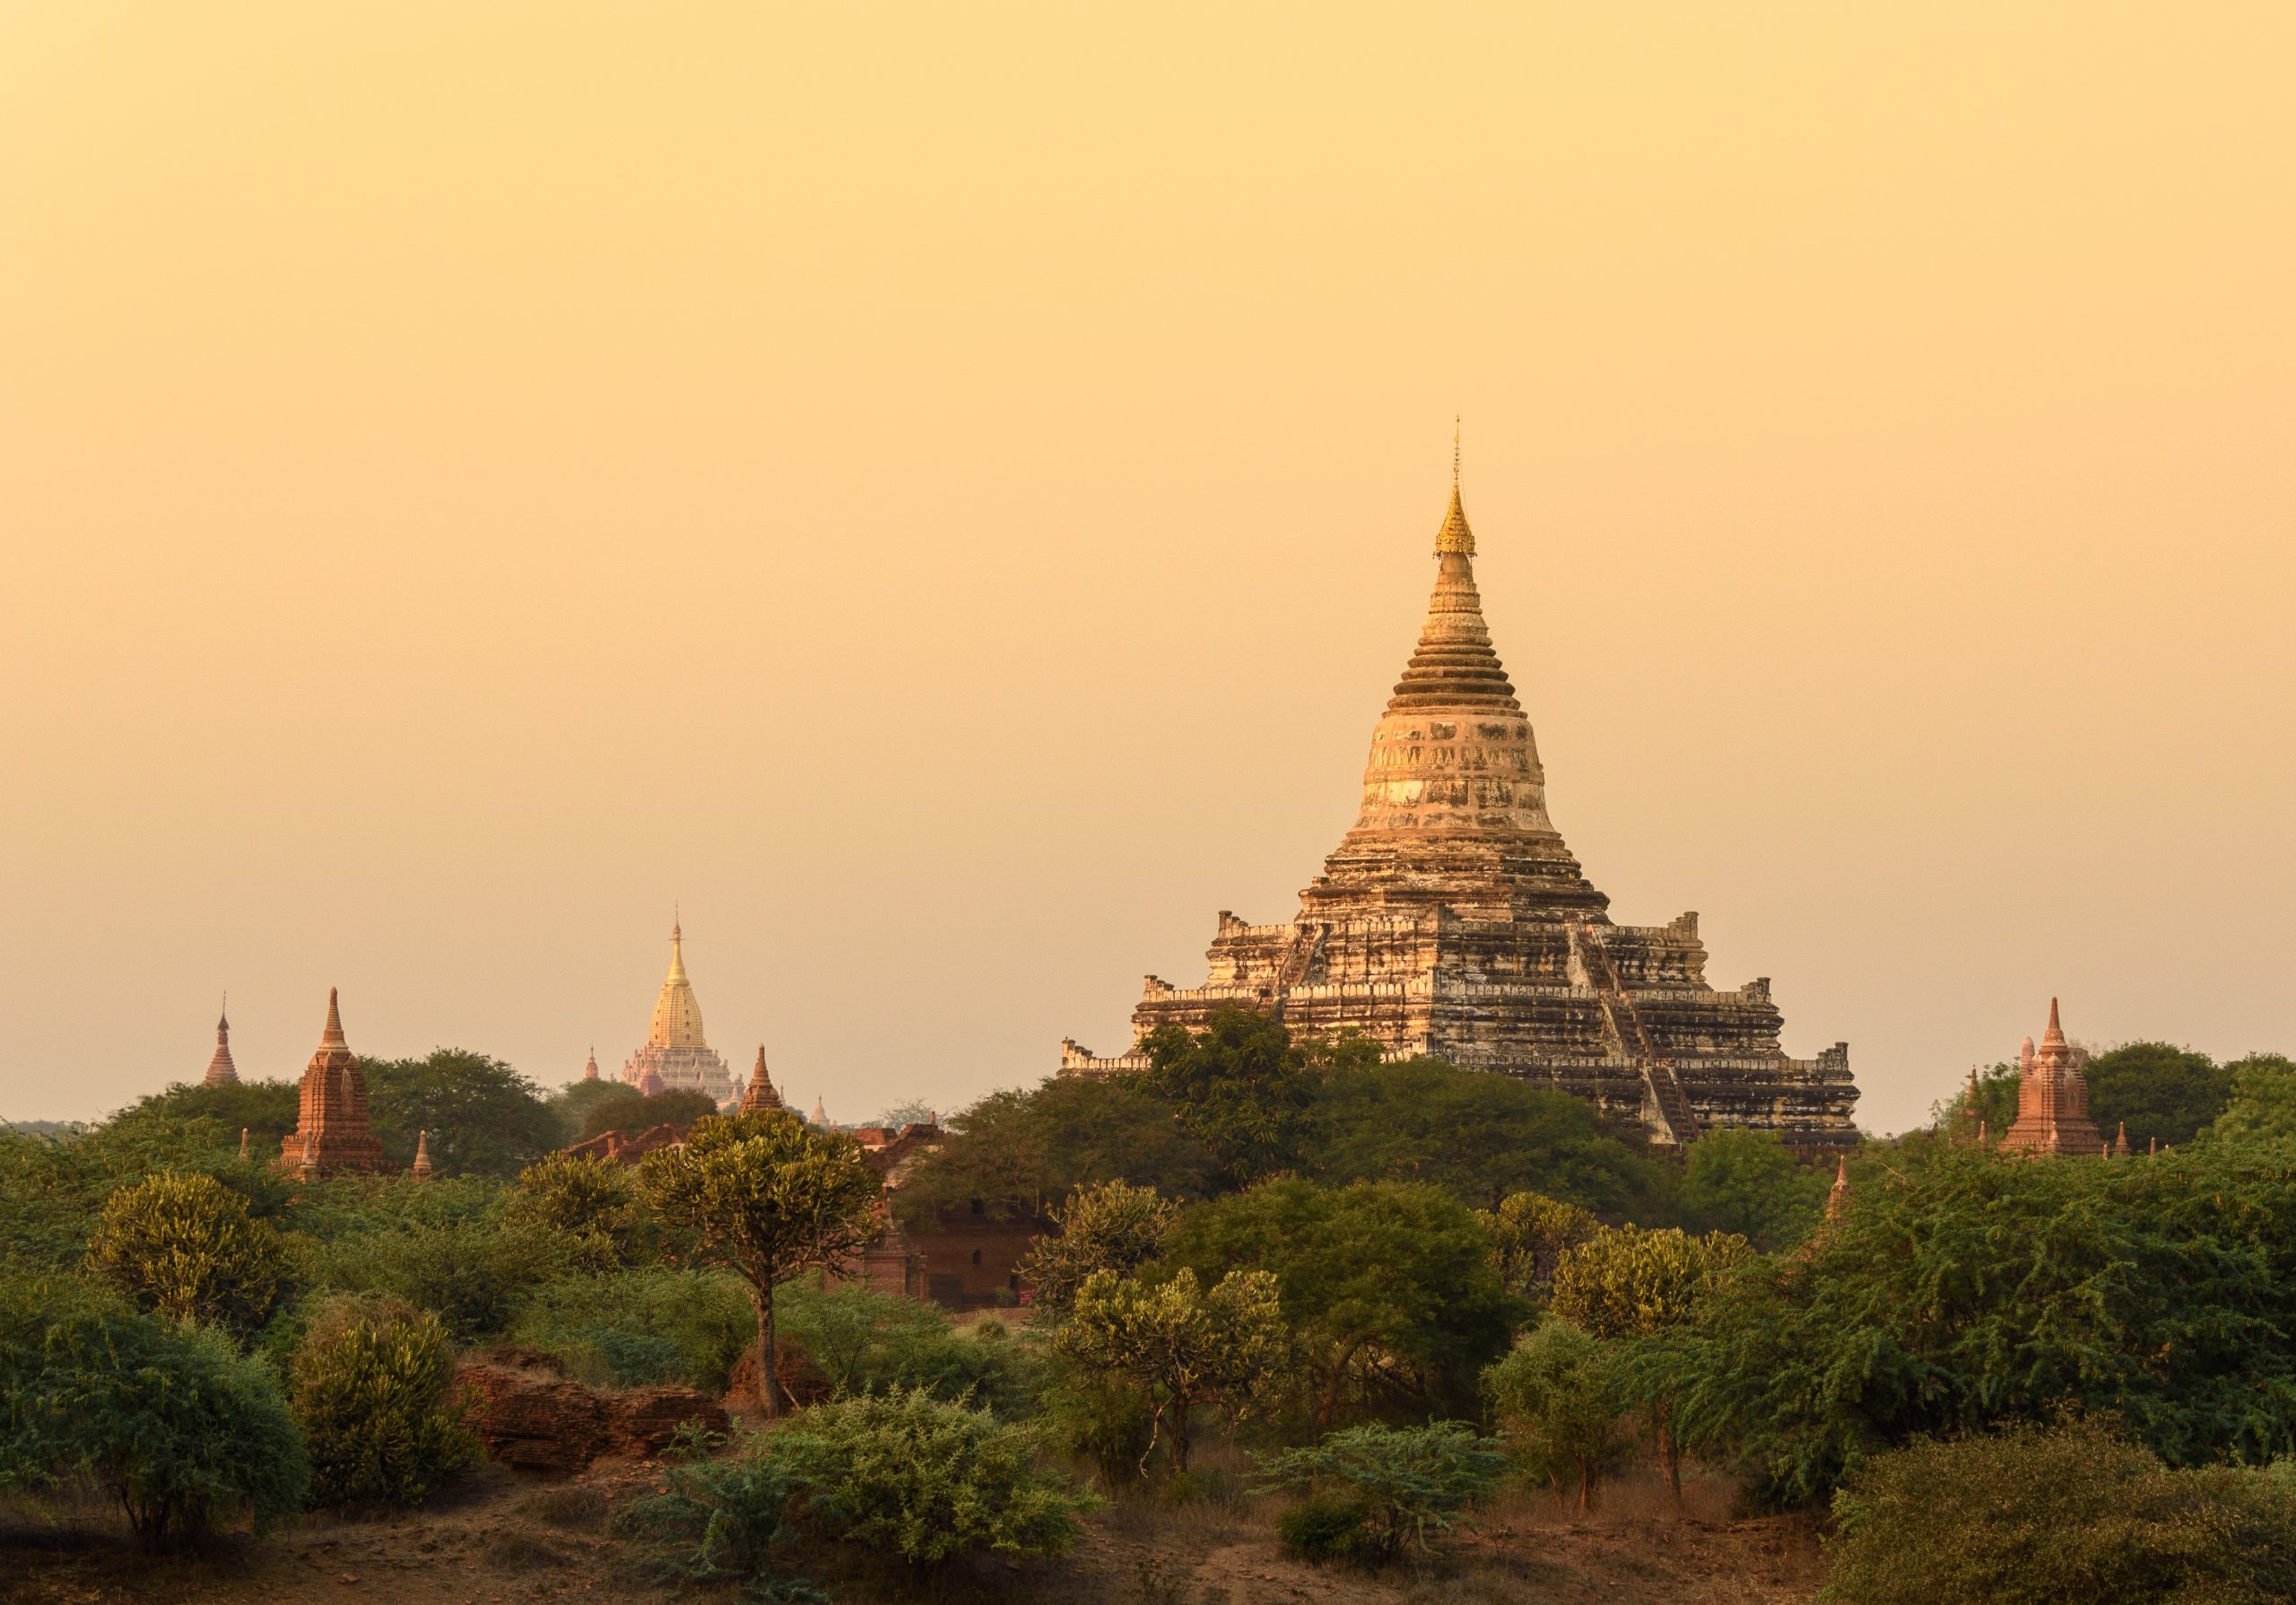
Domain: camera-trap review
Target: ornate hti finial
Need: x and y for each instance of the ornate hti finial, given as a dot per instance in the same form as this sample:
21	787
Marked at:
1455	537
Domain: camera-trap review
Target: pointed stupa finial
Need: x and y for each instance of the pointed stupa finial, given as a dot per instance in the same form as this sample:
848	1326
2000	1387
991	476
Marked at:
2120	1141
243	1145
1454	537
1980	1133
591	1065
421	1166
223	1018
1838	1195
332	1037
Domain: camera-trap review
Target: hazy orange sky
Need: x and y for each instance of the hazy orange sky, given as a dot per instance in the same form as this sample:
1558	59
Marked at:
942	493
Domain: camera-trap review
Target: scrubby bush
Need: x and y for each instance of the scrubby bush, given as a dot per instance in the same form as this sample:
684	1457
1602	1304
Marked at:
1086	1412
867	1341
1388	1285
370	1391
1112	1226
1967	1291
2035	1515
184	1246
925	1479
1559	1398
1329	1526
186	1432
718	1520
642	1326
472	1274
593	1200
1409	1483
1180	1345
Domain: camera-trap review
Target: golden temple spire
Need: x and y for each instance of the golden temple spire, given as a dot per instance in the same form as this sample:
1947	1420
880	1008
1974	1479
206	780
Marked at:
1454	537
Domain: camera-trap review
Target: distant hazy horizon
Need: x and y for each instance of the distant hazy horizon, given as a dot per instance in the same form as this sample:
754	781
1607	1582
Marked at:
940	496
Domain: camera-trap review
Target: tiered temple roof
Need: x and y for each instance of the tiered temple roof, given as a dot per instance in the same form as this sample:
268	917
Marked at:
1453	922
221	1070
676	1053
332	1131
2053	1099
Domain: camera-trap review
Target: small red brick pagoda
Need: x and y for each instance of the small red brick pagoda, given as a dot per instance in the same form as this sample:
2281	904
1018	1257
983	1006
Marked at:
332	1132
221	1070
2052	1098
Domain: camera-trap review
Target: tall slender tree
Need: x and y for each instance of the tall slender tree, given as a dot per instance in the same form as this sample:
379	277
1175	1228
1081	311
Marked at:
768	1197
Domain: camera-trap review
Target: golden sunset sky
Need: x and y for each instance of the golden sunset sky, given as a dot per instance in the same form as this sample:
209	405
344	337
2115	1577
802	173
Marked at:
942	493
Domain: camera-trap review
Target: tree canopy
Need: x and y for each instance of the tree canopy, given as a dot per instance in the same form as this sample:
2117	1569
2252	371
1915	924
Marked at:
2164	1092
484	1117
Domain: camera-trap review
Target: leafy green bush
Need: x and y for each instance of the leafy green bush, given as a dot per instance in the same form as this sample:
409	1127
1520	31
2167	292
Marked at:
718	1520
2033	1516
642	1326
53	1187
370	1391
1967	1290
1085	1411
928	1479
592	1199
1739	1180
1112	1225
1412	1481
186	1432
472	1274
184	1246
1329	1526
868	1341
1558	1397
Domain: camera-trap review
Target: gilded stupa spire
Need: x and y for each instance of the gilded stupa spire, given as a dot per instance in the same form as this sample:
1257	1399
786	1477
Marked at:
1455	537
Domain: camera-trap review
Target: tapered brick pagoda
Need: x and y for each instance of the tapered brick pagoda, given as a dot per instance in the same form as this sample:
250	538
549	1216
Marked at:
2052	1098
1453	922
332	1132
676	1051
760	1094
221	1070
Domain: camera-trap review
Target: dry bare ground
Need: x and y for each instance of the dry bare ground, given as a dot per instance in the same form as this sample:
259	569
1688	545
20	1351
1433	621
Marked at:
505	1540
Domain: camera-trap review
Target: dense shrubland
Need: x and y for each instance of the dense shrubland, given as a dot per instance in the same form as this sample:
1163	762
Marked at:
1392	1285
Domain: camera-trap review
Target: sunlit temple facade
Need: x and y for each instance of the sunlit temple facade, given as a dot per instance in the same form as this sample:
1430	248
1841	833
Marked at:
1452	923
676	1054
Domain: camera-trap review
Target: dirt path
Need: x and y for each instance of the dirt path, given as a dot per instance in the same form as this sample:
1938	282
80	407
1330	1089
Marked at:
506	1539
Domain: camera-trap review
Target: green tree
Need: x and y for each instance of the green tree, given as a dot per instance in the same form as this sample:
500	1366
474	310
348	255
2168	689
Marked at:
928	1479
621	1107
1529	1234
266	1111
767	1195
2263	1104
2163	1094
1476	1135
1738	1179
1410	1483
2035	1515
1022	1152
1624	1282
1970	1291
1111	1226
1180	1345
484	1119
184	1246
1559	1397
1390	1285
186	1432
592	1199
371	1384
1245	1088
1994	1108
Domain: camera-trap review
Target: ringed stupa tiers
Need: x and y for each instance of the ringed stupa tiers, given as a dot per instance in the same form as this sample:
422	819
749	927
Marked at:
676	1054
221	1070
1452	924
